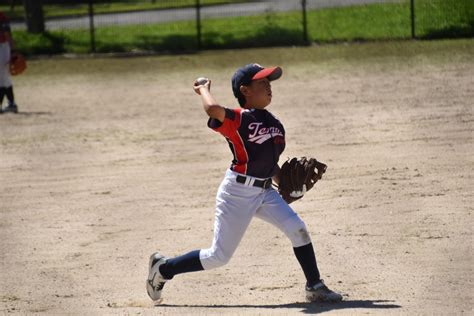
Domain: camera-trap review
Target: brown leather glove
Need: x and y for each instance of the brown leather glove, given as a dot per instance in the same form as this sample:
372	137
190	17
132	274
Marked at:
17	64
298	176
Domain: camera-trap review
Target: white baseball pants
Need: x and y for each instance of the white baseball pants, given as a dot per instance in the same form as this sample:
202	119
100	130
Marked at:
5	79
236	205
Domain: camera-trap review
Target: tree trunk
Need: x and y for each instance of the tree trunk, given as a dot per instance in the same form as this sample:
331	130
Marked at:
34	16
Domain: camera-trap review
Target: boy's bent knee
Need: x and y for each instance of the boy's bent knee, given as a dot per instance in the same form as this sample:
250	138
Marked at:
211	259
296	231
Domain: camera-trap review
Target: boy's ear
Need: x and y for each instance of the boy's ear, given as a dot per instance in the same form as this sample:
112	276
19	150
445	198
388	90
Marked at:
245	90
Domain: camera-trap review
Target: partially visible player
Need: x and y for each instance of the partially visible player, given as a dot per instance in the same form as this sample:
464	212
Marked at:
256	139
6	46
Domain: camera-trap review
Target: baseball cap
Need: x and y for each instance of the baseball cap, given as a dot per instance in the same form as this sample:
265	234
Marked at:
245	75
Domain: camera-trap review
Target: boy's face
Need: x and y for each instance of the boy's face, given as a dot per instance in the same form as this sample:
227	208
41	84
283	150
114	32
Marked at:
258	94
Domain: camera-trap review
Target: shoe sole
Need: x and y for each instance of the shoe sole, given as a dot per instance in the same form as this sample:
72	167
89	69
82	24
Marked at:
312	298
151	293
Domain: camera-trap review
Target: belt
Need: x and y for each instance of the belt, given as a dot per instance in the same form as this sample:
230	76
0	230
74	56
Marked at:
265	184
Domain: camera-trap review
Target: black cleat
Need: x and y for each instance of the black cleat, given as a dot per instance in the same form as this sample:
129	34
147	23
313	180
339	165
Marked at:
11	108
320	292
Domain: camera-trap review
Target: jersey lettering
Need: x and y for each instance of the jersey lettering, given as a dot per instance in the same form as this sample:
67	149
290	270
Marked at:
248	133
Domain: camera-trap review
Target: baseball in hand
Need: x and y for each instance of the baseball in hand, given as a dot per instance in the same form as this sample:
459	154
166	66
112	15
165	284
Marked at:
202	81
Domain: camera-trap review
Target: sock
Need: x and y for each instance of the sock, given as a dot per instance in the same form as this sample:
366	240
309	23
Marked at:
2	94
189	262
10	96
307	260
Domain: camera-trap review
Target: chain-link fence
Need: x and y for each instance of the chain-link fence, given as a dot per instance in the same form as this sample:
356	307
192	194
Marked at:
187	25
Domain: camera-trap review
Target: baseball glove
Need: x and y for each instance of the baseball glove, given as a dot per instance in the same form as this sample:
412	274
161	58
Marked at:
17	64
298	176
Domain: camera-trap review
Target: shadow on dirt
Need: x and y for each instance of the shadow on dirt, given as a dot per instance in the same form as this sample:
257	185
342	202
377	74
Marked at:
32	113
306	308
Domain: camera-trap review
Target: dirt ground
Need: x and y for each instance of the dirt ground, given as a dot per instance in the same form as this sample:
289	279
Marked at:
110	160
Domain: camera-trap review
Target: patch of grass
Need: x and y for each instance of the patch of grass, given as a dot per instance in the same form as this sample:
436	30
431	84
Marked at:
392	21
355	23
34	44
178	36
443	18
271	29
366	22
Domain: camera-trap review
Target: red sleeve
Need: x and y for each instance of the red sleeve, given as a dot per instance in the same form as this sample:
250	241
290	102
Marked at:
230	125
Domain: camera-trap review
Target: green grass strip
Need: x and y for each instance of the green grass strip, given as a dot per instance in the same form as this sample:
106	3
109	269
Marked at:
435	19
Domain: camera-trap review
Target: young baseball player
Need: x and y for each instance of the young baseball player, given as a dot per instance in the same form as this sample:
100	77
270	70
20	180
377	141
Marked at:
6	45
256	139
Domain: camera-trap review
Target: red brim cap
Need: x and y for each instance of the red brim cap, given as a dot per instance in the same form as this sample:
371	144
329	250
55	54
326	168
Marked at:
272	73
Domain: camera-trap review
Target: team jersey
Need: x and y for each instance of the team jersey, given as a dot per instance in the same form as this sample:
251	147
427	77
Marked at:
4	27
256	139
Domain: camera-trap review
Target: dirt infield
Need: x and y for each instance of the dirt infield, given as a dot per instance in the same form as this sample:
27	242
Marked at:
111	160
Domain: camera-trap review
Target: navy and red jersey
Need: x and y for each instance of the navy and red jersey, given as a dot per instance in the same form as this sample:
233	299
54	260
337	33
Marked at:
256	139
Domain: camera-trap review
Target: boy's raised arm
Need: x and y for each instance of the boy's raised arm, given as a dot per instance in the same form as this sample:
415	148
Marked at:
210	105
